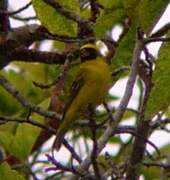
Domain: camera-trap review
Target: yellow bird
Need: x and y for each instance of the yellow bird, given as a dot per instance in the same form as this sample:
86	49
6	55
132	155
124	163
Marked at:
89	88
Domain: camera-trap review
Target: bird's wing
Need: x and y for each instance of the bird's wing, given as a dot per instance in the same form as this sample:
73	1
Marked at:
75	88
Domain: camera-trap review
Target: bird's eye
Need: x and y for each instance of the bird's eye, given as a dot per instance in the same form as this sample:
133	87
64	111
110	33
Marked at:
84	54
88	54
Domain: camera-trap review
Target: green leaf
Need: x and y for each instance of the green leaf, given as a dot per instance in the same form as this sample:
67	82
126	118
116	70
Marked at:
123	55
150	172
111	97
160	97
8	105
59	46
154	172
106	21
131	7
27	134
25	73
111	4
54	21
149	11
6	173
6	140
164	150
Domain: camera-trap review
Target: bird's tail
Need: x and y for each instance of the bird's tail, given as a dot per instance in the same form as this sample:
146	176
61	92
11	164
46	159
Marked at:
58	140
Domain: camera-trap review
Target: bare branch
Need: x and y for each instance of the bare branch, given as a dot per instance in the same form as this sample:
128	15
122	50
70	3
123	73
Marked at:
142	131
160	123
26	55
4	20
58	166
94	10
72	151
130	131
67	39
93	127
17	11
157	39
6	119
28	18
162	31
157	164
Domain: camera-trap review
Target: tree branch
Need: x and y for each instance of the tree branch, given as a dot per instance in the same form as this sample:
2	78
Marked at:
25	55
143	128
4	21
28	18
157	164
13	47
157	39
162	31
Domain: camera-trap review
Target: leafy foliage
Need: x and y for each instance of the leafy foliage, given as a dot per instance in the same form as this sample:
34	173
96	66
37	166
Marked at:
154	9
7	173
12	140
131	7
54	21
37	83
107	20
123	54
160	97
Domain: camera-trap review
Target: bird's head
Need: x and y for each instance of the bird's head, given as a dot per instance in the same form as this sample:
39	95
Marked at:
88	52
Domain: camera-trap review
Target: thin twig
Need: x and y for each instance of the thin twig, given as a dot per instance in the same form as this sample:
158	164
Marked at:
19	18
64	11
57	165
109	112
17	11
162	31
6	119
93	127
139	135
94	10
119	70
67	39
72	151
157	164
157	39
160	123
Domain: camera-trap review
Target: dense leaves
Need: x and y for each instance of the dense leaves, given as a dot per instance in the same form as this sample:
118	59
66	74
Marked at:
160	96
33	82
149	11
54	21
7	173
107	21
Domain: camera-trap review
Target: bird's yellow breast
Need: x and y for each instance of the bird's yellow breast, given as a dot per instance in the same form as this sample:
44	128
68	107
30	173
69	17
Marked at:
97	79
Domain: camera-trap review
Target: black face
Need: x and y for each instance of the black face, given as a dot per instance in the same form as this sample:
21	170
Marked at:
88	54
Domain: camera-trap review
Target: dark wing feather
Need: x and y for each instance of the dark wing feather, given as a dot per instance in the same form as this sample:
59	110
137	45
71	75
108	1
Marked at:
75	88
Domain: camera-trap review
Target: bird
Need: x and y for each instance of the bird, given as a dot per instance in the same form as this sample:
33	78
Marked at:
90	87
